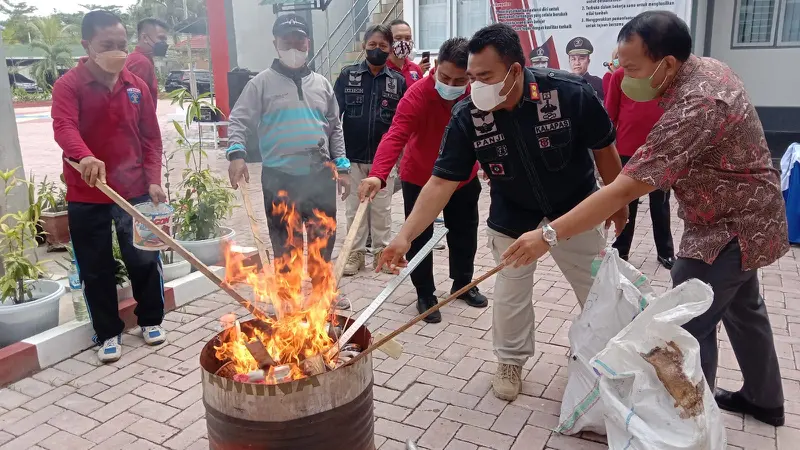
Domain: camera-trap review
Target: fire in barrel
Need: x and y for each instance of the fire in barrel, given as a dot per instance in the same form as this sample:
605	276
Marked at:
281	383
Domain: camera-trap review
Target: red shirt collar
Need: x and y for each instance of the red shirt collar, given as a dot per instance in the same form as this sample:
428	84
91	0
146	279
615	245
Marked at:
86	77
147	53
393	66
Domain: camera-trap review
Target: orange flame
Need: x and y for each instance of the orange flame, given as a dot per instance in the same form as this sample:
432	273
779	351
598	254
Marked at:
300	328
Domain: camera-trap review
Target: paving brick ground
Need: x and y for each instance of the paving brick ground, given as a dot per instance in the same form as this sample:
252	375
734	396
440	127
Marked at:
437	393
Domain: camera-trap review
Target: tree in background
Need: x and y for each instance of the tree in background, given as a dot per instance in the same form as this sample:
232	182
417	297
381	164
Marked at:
170	11
15	26
52	37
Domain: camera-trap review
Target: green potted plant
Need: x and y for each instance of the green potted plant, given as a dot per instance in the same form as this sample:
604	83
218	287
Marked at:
173	265
55	222
203	200
28	304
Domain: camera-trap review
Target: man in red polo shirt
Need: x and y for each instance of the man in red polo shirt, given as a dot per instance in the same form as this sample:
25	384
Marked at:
399	57
421	135
152	34
103	117
634	121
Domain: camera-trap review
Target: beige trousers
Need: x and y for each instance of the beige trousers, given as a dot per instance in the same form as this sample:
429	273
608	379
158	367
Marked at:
379	213
513	327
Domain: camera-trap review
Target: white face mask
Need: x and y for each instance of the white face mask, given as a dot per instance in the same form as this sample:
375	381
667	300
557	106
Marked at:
293	58
486	97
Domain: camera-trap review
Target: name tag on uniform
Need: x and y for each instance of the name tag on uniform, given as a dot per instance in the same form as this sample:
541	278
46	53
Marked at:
553	126
350	90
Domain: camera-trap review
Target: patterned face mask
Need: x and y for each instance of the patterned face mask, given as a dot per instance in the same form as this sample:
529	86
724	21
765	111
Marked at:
402	49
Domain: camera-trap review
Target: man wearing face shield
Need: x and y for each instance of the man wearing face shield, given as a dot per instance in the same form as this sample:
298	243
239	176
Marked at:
530	130
104	118
709	147
152	35
368	94
295	115
421	135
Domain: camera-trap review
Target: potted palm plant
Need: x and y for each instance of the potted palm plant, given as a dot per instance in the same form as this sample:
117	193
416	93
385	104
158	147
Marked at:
55	222
28	304
173	265
203	200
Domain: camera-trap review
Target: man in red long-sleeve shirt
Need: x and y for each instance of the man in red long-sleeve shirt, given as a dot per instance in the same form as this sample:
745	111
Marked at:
421	135
152	35
633	121
103	117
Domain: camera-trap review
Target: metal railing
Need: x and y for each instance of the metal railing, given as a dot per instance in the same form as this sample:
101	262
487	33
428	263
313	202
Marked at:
323	61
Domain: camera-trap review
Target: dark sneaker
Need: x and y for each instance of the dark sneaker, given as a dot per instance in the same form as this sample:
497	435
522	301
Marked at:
735	402
667	262
426	303
473	297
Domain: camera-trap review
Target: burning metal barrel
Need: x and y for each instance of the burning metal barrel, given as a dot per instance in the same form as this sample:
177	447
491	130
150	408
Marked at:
330	411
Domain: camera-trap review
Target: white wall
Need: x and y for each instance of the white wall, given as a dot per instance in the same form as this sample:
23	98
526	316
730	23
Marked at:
699	31
253	25
770	74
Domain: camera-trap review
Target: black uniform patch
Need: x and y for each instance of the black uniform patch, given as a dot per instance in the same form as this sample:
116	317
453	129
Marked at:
354	79
483	122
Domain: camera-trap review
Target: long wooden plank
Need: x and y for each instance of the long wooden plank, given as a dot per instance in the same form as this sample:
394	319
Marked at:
174	245
347	247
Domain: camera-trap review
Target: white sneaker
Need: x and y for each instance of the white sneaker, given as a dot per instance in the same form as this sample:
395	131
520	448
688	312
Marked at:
154	335
343	303
110	350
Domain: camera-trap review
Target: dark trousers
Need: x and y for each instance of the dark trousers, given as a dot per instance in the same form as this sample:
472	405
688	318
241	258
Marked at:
90	229
738	304
304	193
659	214
461	219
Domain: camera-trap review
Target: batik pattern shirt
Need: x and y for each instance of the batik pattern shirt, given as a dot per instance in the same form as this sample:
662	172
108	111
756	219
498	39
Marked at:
709	147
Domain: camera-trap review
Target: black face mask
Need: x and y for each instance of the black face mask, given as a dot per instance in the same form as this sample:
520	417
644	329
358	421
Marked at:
160	49
377	57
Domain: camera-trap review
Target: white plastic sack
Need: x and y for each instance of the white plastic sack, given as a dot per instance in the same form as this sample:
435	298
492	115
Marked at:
641	414
618	294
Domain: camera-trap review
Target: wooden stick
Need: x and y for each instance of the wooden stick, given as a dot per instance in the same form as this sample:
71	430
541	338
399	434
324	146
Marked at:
178	248
347	247
248	207
425	314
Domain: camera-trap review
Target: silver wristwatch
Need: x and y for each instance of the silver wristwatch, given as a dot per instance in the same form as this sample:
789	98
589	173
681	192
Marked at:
550	236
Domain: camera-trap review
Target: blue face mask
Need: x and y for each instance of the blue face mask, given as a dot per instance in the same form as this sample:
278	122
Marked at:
449	92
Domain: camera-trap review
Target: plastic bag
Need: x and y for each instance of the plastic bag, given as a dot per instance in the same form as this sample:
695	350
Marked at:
666	409
618	294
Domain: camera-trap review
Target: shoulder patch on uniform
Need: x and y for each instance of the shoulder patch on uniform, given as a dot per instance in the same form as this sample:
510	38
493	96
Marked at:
534	88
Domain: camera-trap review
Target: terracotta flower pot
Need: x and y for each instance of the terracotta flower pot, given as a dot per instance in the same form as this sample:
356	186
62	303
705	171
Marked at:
56	225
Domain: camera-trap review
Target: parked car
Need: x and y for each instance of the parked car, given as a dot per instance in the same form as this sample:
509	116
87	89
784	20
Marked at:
18	81
180	79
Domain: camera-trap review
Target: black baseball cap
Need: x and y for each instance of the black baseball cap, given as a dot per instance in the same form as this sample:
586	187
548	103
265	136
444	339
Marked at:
289	23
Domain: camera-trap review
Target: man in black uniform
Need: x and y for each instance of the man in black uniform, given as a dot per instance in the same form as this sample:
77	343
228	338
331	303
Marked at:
368	94
530	130
579	51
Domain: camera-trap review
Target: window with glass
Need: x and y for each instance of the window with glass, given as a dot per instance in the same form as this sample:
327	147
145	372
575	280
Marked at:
438	20
766	23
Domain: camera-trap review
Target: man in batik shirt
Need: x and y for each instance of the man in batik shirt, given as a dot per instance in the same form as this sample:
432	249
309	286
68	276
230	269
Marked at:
709	147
